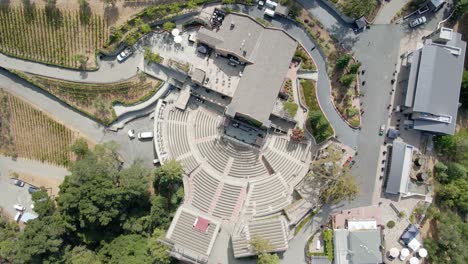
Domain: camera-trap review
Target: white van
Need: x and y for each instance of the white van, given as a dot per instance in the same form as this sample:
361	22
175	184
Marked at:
18	216
269	12
145	135
19	207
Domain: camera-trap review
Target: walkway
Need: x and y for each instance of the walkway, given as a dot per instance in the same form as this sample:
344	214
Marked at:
389	10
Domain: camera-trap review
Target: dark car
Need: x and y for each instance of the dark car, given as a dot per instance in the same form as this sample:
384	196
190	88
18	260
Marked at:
33	189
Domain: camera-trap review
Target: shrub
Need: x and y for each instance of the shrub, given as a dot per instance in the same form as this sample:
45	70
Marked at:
440	167
343	61
391	224
168	26
354	68
347	80
145	28
328	239
401	214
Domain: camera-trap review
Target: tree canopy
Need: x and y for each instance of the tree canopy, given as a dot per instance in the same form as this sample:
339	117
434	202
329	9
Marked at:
268	259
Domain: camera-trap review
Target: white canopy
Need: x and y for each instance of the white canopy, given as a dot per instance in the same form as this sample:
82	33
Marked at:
422	252
175	32
414	260
414	244
178	39
394	252
404	254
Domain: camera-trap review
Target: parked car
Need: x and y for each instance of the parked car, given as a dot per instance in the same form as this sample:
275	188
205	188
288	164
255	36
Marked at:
418	21
124	54
131	133
19	208
19	183
381	130
33	189
261	4
145	135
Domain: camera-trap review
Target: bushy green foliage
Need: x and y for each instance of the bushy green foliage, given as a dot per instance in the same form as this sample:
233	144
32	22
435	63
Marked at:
151	57
347	80
343	61
391	224
354	68
328	239
126	249
461	7
169	26
321	128
358	8
464	90
268	259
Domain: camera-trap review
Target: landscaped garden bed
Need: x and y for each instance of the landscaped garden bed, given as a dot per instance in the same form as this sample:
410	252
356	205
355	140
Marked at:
345	89
289	106
358	8
96	100
317	123
307	63
333	52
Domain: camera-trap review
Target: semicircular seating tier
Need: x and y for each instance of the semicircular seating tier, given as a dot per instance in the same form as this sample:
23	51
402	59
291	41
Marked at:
227	178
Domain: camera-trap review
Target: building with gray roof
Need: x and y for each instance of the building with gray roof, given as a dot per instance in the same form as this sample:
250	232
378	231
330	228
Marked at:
434	82
273	230
357	247
192	235
266	53
401	156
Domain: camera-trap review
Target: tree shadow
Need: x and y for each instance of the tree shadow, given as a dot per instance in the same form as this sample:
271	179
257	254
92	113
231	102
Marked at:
85	12
111	14
29	10
5	4
53	15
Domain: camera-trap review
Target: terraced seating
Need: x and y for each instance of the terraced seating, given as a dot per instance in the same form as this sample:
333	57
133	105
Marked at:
267	196
213	152
205	187
286	167
177	115
246	163
186	237
291	148
178	139
206	124
227	201
189	163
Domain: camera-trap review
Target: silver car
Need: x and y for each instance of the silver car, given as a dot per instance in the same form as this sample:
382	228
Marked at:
418	21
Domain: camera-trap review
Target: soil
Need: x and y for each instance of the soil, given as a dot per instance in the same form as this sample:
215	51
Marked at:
51	184
116	15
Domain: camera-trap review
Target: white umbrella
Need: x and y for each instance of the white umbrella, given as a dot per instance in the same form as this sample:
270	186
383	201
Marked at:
414	260
394	252
404	253
178	39
414	244
422	252
175	32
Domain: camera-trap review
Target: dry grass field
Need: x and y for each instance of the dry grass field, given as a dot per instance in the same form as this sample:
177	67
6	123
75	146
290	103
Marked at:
29	133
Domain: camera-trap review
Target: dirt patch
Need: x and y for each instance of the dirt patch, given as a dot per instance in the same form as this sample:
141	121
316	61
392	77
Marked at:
51	184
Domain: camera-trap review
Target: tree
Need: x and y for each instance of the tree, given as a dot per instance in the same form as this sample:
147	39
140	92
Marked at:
168	178
391	224
339	188
9	233
81	60
169	26
456	171
343	61
41	241
96	198
266	258
461	7
354	68
43	205
446	145
454	195
261	245
159	251
80	148
464	90
347	80
159	216
297	134
85	11
82	255
126	249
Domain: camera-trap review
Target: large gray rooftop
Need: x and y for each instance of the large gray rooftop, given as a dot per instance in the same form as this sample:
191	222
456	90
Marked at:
357	247
268	53
400	166
434	83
